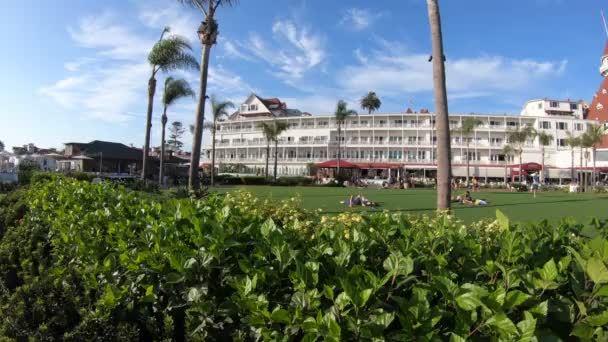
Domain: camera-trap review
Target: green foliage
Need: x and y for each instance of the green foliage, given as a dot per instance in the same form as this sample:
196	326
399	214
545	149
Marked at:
25	170
81	261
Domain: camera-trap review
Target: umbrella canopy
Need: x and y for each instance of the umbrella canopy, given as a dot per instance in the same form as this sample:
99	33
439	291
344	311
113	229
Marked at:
81	157
378	165
332	164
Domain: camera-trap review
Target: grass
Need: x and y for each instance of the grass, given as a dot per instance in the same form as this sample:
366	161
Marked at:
520	207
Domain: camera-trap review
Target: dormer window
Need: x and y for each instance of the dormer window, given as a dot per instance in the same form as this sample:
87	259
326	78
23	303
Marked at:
253	107
573	106
554	104
243	108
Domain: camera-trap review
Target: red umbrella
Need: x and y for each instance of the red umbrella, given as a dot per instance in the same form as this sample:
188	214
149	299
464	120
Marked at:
332	164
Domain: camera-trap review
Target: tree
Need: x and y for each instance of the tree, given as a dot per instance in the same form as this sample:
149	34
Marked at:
272	130
168	54
444	171
219	110
1	146
208	32
370	102
177	131
341	114
573	142
508	151
518	139
468	126
587	142
544	139
174	90
595	134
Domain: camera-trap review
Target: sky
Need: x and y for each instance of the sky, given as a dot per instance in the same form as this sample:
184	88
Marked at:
74	70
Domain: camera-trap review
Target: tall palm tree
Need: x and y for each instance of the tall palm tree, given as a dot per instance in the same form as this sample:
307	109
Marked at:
168	54
441	109
272	130
208	32
1	146
518	138
544	139
219	110
370	102
595	134
573	142
175	89
587	143
341	114
507	150
468	126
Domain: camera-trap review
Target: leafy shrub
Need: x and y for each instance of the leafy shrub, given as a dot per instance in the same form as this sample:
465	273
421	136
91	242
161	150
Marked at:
294	181
82	176
25	170
7	187
253	180
235	267
139	185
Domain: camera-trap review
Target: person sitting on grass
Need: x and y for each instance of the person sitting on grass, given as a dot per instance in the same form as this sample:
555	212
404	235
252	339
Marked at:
468	200
365	202
353	201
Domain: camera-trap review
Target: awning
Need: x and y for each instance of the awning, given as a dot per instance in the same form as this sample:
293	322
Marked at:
516	173
333	164
531	166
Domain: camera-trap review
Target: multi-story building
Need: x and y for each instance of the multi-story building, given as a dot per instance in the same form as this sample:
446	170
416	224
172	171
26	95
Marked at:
406	141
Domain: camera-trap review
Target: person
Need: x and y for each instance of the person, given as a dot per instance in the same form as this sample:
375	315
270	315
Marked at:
535	183
475	184
466	198
353	201
365	202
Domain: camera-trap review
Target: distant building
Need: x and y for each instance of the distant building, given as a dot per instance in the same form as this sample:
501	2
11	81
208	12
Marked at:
101	156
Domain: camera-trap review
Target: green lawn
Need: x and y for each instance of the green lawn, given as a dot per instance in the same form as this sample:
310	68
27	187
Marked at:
518	206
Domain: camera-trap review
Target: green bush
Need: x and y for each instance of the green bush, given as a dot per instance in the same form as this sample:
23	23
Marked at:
25	170
89	260
294	181
253	180
7	187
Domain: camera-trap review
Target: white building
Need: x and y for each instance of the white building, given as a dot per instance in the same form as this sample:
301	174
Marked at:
404	141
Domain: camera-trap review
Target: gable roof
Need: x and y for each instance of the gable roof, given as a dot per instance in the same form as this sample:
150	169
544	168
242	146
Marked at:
110	150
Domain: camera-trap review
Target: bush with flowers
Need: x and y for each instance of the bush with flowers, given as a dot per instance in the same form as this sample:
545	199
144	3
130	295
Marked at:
82	261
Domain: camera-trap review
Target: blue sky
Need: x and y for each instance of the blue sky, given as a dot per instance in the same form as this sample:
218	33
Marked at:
76	70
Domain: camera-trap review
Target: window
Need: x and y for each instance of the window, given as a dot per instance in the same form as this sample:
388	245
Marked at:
453	123
574	106
561	142
512	123
545	124
253	107
495	123
243	108
398	122
578	126
382	123
472	155
363	123
554	104
540	105
421	155
562	126
496	141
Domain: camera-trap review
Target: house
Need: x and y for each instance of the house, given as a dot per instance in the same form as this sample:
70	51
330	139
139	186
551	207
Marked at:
256	107
101	156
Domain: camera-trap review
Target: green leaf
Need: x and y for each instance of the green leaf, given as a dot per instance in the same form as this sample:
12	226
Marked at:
597	320
281	316
549	271
150	290
328	292
468	301
364	296
397	264
310	325
502	324
194	294
540	309
109	299
189	263
601	291
503	220
333	327
268	227
583	331
526	328
456	338
597	271
515	298
174	278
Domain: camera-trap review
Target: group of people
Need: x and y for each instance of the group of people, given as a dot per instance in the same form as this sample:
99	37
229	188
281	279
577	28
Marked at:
358	200
461	184
467	199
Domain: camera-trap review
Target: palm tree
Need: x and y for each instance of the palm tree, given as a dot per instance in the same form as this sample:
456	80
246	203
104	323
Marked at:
208	32
168	54
219	110
518	139
468	126
573	142
544	139
595	134
441	109
272	130
370	102
1	146
175	89
341	114
507	150
587	143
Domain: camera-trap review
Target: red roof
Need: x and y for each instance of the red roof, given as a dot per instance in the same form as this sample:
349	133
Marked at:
332	164
606	49
378	165
599	105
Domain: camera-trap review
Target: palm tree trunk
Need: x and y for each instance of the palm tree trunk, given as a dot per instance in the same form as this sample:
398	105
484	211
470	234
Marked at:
594	178
276	154
572	164
468	163
267	157
162	148
580	167
520	166
151	90
339	155
213	156
441	109
197	140
542	167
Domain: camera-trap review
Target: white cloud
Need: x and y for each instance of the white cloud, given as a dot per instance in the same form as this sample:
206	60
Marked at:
396	74
359	19
111	39
78	64
292	52
158	14
317	104
360	56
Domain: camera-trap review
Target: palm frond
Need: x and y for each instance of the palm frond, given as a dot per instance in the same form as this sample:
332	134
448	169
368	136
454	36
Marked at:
544	138
176	89
272	129
342	111
370	102
172	53
219	109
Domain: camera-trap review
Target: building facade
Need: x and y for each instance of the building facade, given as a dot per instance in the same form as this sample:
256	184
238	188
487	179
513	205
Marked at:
402	140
